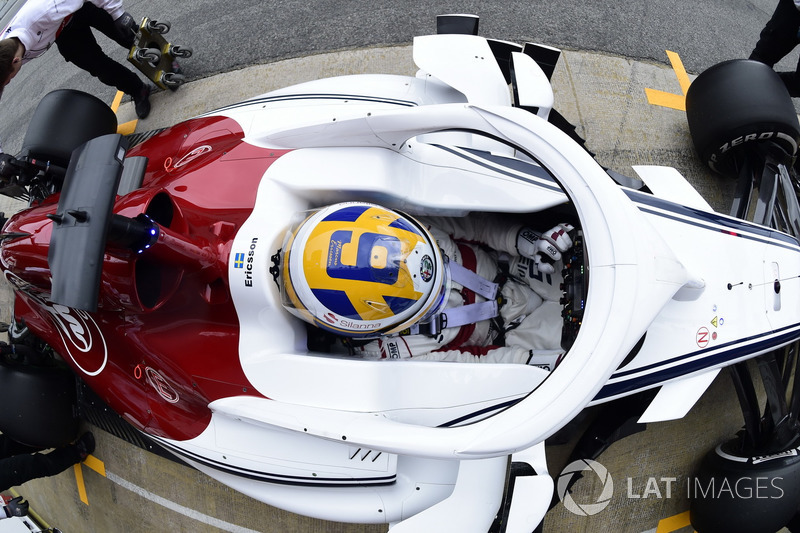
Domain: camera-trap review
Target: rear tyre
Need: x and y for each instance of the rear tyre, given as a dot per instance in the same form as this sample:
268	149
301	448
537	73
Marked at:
733	107
64	120
39	405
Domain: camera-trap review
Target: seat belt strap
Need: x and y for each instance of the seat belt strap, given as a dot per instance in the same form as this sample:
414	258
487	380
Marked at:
465	314
468	314
472	281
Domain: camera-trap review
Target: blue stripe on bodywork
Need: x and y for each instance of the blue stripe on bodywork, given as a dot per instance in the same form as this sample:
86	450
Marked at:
269	477
731	351
514	166
314	96
710	220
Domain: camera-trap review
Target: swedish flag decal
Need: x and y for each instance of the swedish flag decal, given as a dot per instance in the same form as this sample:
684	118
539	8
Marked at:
238	260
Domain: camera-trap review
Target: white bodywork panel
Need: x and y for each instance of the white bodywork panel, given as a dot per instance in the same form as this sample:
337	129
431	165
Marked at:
667	183
424	446
533	87
676	398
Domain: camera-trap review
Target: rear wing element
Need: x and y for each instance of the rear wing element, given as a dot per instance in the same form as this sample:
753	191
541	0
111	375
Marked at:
81	222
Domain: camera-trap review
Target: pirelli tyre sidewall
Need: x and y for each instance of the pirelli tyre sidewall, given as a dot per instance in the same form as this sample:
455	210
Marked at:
734	105
63	120
733	493
39	405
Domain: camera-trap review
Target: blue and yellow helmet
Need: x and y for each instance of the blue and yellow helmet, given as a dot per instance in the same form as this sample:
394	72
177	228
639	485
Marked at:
361	270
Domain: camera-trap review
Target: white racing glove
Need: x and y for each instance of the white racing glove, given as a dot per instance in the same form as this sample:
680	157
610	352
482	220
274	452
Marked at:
546	359
544	248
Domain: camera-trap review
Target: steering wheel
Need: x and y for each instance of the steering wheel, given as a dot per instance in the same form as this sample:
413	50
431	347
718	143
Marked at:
574	287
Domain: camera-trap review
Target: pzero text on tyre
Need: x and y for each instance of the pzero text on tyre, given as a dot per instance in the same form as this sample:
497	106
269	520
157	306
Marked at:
735	105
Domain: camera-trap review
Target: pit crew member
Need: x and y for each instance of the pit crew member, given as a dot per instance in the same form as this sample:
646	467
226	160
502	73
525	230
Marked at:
67	23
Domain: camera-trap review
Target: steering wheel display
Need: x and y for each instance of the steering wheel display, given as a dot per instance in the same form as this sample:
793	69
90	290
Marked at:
574	287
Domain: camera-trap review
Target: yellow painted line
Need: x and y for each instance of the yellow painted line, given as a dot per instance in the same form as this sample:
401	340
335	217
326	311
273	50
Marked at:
81	484
662	99
673	523
93	463
670	100
117	101
96	464
128	127
680	72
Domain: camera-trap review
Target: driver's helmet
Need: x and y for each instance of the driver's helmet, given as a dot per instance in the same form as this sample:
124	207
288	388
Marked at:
362	270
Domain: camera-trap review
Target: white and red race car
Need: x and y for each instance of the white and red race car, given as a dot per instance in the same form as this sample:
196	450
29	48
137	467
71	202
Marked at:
152	272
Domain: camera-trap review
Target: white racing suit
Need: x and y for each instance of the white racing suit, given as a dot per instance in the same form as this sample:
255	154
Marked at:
38	22
529	315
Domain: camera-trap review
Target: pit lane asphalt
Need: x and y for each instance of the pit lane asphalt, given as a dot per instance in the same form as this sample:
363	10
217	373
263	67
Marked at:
604	95
237	34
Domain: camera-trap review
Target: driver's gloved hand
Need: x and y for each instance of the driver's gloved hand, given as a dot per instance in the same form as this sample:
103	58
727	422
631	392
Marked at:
125	27
544	248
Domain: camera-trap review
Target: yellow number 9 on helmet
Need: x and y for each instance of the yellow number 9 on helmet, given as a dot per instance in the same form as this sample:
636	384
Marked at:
361	270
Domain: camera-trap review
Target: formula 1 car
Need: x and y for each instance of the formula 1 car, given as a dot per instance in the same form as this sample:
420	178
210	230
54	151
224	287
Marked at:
153	272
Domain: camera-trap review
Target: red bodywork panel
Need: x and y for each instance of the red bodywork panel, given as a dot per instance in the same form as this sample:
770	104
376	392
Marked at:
164	341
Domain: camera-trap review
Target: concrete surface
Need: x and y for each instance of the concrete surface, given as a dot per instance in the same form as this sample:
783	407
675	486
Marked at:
236	34
604	96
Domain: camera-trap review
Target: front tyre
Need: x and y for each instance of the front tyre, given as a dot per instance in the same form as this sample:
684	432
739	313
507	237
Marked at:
739	493
735	106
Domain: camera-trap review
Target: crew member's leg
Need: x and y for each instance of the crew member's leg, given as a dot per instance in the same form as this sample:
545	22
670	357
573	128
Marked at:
100	20
777	39
10	447
78	46
792	80
19	469
16	470
779	36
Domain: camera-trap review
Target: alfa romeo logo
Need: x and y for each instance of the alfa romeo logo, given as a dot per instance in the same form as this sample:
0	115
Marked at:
426	268
565	481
